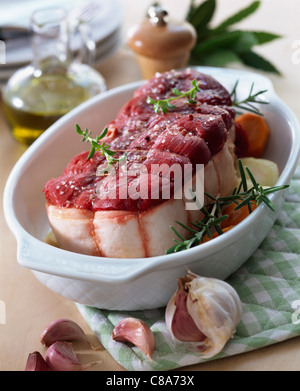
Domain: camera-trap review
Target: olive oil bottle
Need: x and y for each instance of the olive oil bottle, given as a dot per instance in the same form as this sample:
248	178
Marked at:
39	94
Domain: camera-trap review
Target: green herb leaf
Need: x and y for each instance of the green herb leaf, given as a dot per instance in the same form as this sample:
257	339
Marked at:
212	213
222	45
95	146
242	14
163	105
103	134
92	152
246	41
248	102
257	61
200	16
255	184
219	58
220	41
237	41
263	37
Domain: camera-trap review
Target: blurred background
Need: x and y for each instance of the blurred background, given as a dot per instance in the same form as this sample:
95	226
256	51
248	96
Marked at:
262	36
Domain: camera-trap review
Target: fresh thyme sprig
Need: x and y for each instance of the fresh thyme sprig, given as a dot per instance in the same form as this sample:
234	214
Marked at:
104	148
241	196
163	105
247	103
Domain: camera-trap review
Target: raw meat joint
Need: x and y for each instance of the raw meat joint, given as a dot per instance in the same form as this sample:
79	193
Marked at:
88	212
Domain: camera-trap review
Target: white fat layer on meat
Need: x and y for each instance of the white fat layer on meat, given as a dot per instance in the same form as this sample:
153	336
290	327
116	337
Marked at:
125	234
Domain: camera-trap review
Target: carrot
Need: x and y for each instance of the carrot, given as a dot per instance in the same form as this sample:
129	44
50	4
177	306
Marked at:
235	216
258	133
206	238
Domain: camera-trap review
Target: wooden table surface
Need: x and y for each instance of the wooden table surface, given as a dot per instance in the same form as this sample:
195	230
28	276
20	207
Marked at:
30	306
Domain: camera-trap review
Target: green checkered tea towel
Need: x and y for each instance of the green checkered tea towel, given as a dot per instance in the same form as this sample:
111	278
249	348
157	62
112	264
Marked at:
268	285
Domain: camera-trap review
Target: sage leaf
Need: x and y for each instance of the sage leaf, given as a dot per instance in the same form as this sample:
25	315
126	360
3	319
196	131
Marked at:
201	15
257	61
219	58
264	37
242	14
245	42
222	45
225	40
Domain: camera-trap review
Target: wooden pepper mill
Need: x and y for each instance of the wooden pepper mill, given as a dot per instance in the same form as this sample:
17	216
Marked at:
160	45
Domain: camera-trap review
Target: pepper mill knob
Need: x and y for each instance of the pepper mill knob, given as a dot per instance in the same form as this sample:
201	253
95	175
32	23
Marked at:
157	15
161	45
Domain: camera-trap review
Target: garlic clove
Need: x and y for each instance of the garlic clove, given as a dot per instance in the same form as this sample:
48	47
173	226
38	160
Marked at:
216	309
211	306
179	320
36	362
136	332
62	330
60	356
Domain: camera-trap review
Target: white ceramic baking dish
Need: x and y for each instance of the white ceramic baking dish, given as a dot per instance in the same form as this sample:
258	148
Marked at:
133	284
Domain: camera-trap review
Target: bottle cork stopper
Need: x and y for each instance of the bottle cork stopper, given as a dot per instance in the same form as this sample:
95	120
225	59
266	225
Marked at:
159	45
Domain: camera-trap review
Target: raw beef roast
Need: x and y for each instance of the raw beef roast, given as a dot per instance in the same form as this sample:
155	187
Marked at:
117	214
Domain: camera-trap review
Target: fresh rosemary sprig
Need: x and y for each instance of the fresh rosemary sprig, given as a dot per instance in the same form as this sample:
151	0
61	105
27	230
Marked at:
104	148
247	103
163	105
211	219
256	193
241	196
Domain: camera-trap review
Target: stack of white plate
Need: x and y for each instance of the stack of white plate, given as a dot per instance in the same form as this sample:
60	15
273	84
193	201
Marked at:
105	26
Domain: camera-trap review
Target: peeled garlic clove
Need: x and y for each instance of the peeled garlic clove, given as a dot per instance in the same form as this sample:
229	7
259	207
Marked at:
36	362
203	313
137	332
62	330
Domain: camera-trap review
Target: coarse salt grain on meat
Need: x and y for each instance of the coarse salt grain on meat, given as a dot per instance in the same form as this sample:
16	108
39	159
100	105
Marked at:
95	214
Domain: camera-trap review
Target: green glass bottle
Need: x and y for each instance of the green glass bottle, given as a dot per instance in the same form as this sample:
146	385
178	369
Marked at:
39	94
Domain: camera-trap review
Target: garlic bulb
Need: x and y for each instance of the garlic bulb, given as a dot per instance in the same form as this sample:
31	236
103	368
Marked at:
203	313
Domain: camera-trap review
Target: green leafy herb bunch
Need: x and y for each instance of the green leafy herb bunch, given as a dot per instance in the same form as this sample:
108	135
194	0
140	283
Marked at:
223	44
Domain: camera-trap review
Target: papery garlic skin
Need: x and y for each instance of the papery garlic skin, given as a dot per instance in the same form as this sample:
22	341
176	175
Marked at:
179	321
214	308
